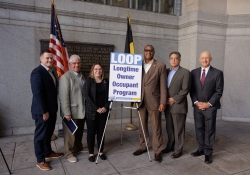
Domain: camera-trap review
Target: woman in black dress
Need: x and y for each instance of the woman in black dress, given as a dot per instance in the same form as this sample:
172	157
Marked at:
95	91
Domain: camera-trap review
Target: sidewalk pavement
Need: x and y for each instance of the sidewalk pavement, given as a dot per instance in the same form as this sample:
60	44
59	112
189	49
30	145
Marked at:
231	155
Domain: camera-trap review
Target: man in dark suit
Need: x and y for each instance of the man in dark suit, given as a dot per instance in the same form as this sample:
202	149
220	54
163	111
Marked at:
154	99
178	83
44	106
206	91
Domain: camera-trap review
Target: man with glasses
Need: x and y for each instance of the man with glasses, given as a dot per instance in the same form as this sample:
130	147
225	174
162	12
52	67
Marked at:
72	107
154	100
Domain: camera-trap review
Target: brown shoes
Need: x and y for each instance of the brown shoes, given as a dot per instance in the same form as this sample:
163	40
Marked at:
176	155
54	155
139	152
158	158
43	166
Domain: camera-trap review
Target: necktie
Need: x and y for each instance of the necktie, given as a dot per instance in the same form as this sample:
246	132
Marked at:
52	76
203	76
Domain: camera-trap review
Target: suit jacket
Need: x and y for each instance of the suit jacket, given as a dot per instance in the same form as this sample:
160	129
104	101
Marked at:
212	89
178	89
89	92
44	91
71	96
154	91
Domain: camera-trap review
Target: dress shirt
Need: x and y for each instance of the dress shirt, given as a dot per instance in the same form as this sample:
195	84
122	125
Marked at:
79	77
171	74
147	65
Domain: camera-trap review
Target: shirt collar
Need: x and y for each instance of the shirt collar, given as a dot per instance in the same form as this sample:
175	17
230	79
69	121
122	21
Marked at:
45	67
175	69
148	62
206	69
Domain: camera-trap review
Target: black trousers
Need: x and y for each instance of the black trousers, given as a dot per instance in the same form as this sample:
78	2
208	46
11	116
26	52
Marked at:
205	126
96	127
42	137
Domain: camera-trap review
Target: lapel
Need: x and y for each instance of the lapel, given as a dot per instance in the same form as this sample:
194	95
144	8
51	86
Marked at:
198	75
75	79
177	73
47	75
151	70
208	76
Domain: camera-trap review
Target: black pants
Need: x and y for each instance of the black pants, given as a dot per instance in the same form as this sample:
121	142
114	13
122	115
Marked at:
42	137
96	127
205	126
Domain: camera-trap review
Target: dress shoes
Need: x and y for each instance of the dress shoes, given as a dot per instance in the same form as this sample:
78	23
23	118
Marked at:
43	166
91	158
208	159
54	155
102	156
197	153
176	155
166	150
139	152
158	158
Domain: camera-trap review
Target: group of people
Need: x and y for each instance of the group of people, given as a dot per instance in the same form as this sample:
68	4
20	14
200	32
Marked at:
166	90
80	99
163	90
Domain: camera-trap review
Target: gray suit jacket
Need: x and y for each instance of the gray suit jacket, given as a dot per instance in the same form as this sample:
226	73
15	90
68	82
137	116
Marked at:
179	88
154	90
71	96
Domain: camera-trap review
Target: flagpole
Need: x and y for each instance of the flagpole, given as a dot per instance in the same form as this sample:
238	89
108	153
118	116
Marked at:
130	126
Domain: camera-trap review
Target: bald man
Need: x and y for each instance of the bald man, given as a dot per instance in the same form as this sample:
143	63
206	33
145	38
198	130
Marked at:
206	91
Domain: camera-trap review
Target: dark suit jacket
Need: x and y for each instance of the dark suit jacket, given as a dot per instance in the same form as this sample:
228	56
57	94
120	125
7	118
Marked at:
89	92
179	88
44	92
154	90
211	91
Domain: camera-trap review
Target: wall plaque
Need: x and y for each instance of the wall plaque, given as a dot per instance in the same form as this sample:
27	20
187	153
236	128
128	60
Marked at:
89	53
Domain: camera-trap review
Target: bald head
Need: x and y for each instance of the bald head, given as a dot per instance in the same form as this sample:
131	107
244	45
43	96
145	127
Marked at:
205	59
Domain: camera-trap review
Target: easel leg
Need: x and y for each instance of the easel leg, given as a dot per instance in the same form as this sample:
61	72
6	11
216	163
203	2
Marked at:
121	121
104	132
143	132
5	161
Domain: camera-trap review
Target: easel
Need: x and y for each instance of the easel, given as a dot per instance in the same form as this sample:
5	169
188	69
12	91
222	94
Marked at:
110	108
5	161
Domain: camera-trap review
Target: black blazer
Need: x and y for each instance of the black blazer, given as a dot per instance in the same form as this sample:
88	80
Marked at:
89	92
211	91
44	91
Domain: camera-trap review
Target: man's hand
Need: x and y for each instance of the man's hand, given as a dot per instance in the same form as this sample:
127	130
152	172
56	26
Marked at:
46	116
68	117
202	105
162	107
170	101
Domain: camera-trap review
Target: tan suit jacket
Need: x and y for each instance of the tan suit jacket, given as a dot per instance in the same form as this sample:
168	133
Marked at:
178	89
154	88
71	96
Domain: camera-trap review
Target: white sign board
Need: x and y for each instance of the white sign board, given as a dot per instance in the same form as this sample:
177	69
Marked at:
125	77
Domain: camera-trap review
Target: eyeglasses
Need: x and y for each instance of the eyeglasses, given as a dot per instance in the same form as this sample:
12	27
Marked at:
75	63
146	50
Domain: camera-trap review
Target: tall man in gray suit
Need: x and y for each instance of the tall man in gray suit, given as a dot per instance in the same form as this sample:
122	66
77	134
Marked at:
72	107
178	83
206	91
153	102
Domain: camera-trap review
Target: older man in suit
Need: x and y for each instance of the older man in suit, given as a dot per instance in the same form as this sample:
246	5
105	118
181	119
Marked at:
179	83
206	91
154	99
72	107
44	107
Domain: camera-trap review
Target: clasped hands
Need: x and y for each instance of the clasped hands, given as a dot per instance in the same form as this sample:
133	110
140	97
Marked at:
101	110
202	105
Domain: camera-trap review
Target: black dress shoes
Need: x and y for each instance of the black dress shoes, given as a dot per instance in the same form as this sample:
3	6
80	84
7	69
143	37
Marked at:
158	158
176	155
197	153
166	150
208	159
139	152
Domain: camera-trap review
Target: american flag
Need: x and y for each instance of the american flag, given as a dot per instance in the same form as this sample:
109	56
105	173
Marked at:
57	45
